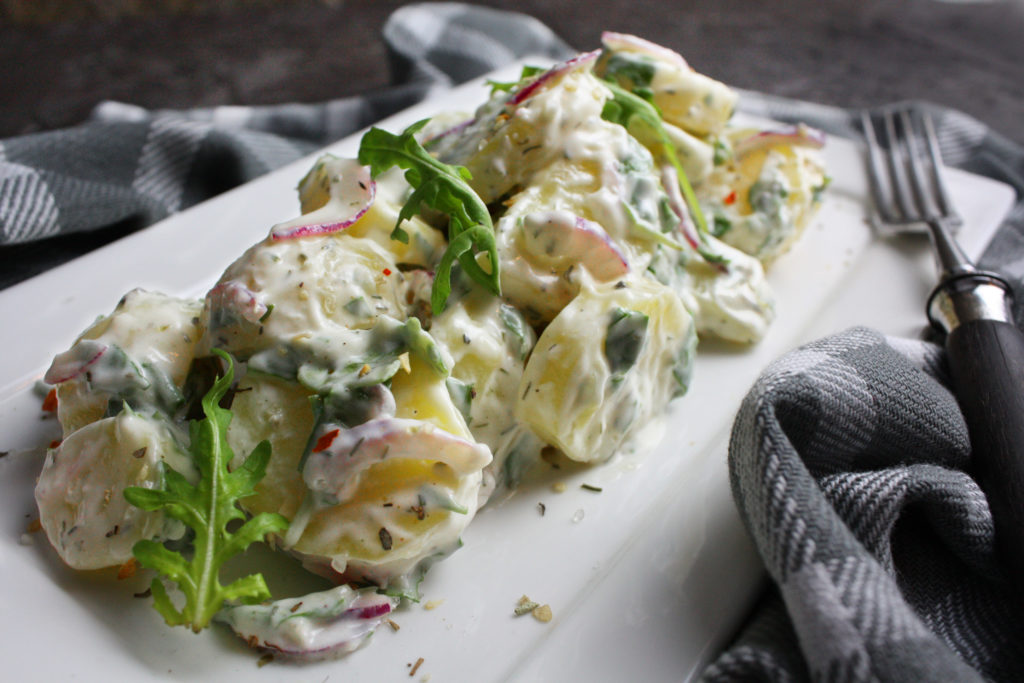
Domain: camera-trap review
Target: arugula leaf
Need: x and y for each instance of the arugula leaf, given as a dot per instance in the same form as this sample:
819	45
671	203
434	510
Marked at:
442	187
207	508
632	71
643	121
505	86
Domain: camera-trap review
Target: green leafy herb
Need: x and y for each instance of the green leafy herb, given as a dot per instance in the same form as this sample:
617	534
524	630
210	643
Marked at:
442	187
624	339
461	394
522	340
207	508
721	225
818	190
629	71
527	73
722	152
767	196
643	121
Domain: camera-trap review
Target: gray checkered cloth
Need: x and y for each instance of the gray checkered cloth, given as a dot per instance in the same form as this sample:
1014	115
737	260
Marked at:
848	458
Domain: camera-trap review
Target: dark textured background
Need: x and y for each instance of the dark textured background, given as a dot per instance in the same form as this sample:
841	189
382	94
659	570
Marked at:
61	57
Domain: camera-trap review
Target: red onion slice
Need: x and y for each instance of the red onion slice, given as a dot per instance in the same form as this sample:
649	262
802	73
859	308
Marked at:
351	194
800	135
686	227
315	626
624	42
578	62
341	454
235	296
576	238
73	362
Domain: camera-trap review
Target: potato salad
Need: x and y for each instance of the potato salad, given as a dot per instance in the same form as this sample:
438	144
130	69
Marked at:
467	294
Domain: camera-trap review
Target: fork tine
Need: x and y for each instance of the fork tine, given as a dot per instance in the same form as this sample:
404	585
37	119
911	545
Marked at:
898	159
927	207
941	194
876	170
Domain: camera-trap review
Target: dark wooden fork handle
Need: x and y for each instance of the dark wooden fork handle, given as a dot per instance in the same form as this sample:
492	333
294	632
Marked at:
986	361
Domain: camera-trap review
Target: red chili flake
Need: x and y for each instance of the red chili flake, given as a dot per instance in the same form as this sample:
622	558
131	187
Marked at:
127	570
387	271
325	441
54	443
731	198
50	402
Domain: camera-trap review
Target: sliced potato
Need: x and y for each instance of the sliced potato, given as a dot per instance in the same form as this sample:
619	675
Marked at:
605	365
80	492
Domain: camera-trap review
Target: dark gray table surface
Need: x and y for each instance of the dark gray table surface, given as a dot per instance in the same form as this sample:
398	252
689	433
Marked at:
968	55
62	57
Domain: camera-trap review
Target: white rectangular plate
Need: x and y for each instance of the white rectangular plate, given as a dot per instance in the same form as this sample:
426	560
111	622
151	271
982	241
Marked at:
650	575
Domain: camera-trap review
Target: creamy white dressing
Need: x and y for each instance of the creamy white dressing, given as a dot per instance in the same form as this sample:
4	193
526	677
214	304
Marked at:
146	345
390	426
80	489
585	396
318	625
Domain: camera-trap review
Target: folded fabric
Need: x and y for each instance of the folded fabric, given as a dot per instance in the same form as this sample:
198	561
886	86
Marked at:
129	167
848	458
849	462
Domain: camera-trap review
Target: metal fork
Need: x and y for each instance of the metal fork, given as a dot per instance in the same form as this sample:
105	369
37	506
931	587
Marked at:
971	307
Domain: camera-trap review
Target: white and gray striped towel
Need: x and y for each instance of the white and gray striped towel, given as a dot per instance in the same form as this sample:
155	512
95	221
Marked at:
849	458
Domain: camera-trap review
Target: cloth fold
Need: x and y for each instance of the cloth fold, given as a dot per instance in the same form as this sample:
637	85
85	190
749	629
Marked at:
848	459
848	462
128	167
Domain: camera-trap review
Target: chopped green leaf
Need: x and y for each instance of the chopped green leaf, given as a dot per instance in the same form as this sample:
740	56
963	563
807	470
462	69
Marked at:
721	225
643	121
722	152
630	71
461	395
207	508
818	190
442	187
625	339
527	73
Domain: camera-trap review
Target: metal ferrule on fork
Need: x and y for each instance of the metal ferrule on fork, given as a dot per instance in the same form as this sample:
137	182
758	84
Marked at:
967	297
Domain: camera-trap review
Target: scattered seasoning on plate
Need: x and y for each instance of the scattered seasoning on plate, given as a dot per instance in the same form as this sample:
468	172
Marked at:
144	594
525	605
542	613
415	667
34	526
541	508
558	487
264	660
432	604
393	624
591	487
